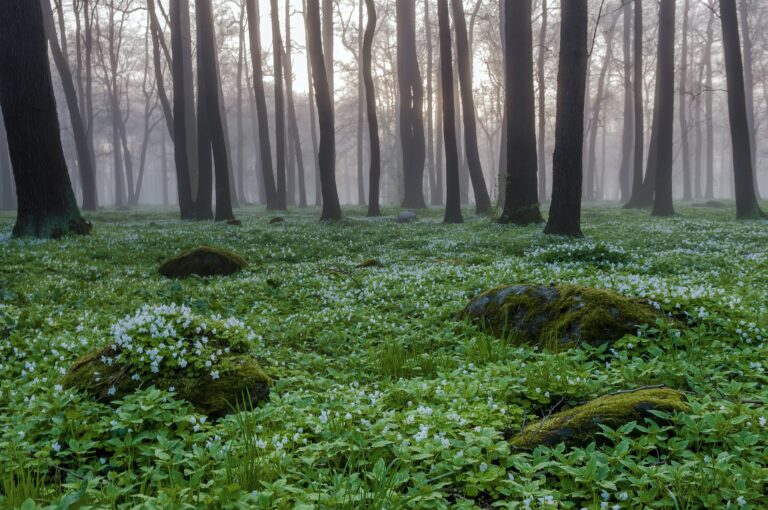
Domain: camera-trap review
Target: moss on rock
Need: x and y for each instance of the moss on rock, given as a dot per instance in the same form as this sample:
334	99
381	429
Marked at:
558	317
205	361
580	425
202	261
214	398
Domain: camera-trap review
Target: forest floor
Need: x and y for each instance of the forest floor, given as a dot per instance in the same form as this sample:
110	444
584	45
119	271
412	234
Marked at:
382	397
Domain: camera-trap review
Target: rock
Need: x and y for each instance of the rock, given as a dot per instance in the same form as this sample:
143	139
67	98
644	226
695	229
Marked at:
406	217
234	222
369	263
277	219
116	370
202	261
580	425
558	317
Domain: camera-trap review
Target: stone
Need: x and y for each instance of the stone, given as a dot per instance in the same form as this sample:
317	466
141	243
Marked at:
202	261
558	317
406	217
276	220
581	425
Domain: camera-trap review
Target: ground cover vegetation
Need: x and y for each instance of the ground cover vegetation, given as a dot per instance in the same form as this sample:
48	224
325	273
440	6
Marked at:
380	394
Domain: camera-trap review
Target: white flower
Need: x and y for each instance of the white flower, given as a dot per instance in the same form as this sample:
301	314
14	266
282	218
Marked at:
56	446
214	374
111	391
623	496
741	501
762	421
483	467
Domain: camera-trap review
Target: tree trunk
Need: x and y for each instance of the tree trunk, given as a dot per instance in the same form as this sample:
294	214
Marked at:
684	126
158	41
434	195
709	192
46	202
84	161
463	58
209	97
204	197
277	59
542	154
567	163
589	191
521	204
327	150
629	114
293	124
439	166
7	189
697	191
374	174
744	184
183	137
164	168
749	85
639	142
453	199
261	104
240	131
411	98
665	99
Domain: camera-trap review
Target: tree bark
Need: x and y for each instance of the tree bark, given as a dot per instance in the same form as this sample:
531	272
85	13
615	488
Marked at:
209	97
453	199
746	199
84	161
627	147
293	124
411	98
46	202
434	194
665	100
374	172
565	210
313	122
639	143
709	192
684	125
277	60
542	155
463	58
749	86
589	188
327	150
7	189
521	204
183	138
261	104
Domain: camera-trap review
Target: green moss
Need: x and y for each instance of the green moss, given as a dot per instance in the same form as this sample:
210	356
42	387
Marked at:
202	261
580	425
212	397
558	317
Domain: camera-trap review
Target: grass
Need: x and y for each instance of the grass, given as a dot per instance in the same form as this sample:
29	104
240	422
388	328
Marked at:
382	397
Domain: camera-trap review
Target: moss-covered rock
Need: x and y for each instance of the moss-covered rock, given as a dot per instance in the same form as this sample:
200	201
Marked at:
580	425
202	261
203	360
558	317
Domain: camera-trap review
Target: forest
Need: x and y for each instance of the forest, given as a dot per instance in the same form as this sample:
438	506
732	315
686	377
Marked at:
383	254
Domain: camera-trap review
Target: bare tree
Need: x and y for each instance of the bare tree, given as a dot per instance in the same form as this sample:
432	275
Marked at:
521	204
746	198
665	110
627	147
46	202
370	102
327	150
254	35
453	200
542	155
411	98
463	59
277	59
683	112
565	211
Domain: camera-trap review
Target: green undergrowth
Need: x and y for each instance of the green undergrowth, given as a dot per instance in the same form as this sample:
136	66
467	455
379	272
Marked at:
380	396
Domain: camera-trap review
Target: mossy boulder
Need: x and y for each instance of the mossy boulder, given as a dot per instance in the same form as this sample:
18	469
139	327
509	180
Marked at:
205	361
202	261
558	317
580	425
